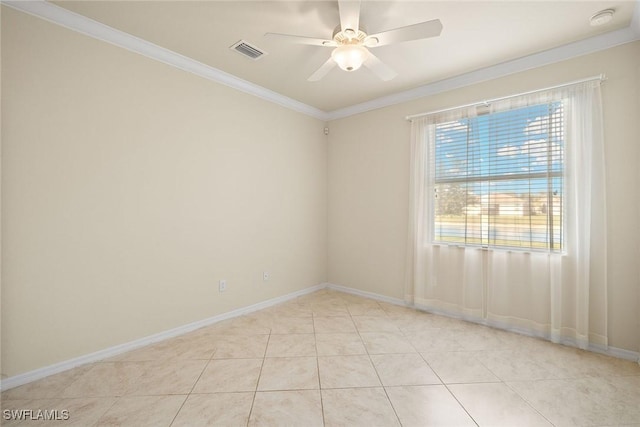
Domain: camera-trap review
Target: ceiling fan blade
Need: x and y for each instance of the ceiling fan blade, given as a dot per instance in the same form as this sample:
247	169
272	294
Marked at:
322	71
379	68
423	30
302	39
349	14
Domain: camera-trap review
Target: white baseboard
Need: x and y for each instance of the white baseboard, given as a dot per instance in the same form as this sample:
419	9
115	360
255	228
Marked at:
371	295
620	353
56	368
596	348
46	371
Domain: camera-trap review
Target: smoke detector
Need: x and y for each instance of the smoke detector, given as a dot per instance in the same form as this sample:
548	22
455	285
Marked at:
602	17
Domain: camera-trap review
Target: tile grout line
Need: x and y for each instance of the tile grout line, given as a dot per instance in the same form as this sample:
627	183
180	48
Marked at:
333	305
375	369
193	386
449	390
115	398
315	343
527	402
402	332
461	405
443	383
501	381
255	393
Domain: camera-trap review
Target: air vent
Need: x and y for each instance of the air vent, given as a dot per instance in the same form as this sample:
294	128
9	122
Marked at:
248	50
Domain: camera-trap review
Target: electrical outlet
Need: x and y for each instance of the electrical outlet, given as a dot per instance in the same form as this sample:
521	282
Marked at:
222	286
266	276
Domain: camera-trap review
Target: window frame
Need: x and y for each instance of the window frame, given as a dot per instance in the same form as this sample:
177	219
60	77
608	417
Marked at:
549	175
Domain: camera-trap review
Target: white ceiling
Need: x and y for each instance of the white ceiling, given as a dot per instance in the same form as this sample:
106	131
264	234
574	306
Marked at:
476	35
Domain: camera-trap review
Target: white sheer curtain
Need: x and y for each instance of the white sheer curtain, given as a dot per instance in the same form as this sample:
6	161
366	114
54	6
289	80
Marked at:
562	297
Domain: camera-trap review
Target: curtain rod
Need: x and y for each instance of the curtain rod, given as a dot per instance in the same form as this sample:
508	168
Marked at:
600	77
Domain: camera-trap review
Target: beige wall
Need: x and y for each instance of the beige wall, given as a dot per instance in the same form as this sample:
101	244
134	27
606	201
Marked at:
129	188
368	182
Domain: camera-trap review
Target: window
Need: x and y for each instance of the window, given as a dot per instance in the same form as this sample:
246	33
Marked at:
499	179
526	174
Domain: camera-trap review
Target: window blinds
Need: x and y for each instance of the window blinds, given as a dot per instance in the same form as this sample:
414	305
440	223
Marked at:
498	179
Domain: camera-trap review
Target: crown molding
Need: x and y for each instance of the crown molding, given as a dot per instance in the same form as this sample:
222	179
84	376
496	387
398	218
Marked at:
89	27
551	56
97	30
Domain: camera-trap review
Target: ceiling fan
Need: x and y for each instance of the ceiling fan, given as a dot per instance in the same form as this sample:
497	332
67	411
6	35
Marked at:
351	43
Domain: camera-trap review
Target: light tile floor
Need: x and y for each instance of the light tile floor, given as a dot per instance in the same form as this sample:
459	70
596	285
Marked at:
335	359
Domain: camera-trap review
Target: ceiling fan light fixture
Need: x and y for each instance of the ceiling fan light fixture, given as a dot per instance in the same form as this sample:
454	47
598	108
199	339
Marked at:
350	42
349	57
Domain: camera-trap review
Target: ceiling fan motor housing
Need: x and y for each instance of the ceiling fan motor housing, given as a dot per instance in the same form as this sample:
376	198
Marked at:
350	42
349	36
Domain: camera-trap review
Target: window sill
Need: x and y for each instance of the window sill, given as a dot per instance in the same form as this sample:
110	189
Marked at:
527	251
